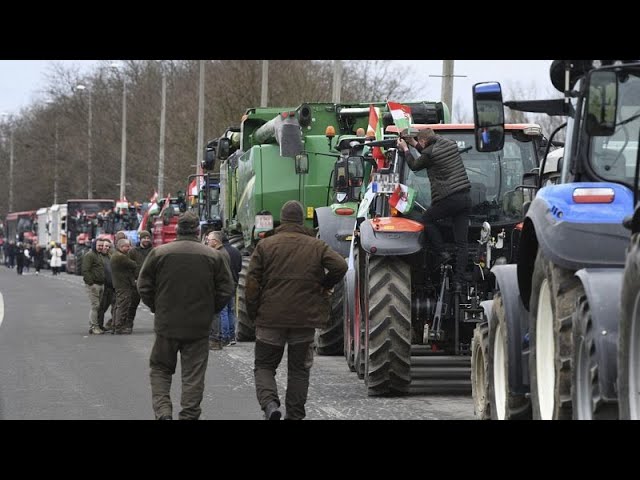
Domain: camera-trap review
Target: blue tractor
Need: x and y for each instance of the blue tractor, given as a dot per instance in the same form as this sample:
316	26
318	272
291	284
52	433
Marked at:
564	329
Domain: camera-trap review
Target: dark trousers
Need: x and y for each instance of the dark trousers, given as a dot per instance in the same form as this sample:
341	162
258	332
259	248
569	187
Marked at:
458	208
108	300
300	360
194	355
133	306
123	304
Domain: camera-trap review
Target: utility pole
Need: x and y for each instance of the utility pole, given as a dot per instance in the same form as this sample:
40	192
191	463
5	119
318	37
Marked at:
447	83
265	83
200	155
55	164
123	155
89	160
11	160
337	81
162	132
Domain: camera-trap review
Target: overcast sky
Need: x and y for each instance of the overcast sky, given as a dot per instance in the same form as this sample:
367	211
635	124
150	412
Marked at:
20	80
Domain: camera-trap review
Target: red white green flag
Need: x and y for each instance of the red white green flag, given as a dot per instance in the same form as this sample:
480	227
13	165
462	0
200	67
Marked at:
375	130
402	198
401	115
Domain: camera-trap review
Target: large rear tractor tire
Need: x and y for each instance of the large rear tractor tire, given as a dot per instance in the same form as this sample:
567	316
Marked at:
629	338
330	340
587	401
479	378
388	348
505	405
554	293
245	328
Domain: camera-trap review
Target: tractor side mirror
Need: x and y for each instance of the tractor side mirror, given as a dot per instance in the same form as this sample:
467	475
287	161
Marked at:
488	116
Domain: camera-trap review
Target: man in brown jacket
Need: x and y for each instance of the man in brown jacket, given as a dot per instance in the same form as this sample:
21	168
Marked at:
288	297
184	283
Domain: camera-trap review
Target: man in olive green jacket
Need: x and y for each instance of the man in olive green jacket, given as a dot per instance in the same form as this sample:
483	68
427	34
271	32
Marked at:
287	294
124	281
185	284
93	276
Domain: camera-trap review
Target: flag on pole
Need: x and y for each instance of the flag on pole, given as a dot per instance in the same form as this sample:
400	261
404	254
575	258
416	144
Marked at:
193	188
154	198
401	116
375	130
402	198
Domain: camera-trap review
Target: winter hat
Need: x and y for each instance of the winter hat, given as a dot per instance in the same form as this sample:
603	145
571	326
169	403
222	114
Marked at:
292	212
188	223
144	233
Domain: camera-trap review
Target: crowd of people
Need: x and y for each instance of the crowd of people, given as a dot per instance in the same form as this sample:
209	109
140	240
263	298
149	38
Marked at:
289	283
24	255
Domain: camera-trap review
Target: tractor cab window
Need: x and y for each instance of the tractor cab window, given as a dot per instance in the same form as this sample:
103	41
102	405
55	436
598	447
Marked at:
494	177
614	157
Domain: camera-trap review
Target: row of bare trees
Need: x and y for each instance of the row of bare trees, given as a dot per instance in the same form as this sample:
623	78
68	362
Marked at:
54	132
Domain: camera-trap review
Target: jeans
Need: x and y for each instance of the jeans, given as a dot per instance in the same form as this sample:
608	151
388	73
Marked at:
228	321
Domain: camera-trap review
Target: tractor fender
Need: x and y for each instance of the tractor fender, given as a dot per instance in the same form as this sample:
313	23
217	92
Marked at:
390	242
335	230
566	232
602	287
517	320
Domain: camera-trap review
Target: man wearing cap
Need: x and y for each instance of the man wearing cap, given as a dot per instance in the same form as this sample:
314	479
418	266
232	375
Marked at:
288	297
138	255
184	283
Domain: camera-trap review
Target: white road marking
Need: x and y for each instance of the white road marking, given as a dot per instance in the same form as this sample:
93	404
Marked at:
1	308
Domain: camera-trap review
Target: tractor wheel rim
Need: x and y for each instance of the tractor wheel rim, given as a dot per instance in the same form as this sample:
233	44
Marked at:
478	367
499	375
634	365
583	383
545	353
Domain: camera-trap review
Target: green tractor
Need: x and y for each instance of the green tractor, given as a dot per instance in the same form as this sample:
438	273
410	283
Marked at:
281	154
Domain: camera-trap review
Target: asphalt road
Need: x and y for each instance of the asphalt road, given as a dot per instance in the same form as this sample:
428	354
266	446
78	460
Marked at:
51	369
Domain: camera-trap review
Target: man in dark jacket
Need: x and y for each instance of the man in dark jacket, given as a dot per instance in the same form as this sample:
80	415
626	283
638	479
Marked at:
93	276
450	193
219	240
288	297
138	255
184	283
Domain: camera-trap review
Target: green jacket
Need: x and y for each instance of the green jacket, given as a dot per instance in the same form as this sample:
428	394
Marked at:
286	280
185	284
123	271
93	268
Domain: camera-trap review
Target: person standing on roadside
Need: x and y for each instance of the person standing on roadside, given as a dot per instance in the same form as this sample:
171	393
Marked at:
56	258
183	313
124	281
138	255
109	295
288	296
38	258
93	276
